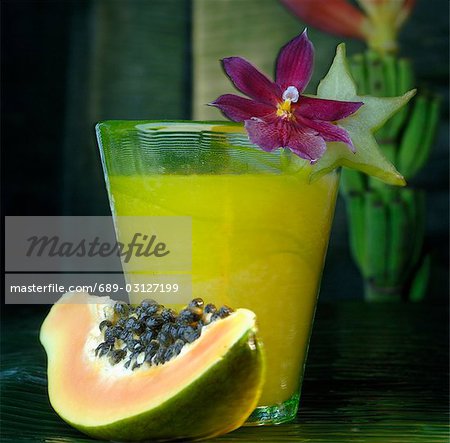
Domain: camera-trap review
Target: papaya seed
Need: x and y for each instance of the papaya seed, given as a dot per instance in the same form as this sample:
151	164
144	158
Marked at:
152	334
104	324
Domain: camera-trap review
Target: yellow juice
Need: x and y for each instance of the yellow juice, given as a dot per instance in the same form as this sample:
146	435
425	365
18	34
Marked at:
258	241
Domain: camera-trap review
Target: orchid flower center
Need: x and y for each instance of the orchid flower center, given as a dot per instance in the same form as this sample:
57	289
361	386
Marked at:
290	95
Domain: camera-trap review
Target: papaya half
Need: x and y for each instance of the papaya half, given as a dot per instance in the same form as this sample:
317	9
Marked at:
104	380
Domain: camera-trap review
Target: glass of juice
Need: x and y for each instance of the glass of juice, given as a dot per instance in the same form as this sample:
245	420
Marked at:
260	229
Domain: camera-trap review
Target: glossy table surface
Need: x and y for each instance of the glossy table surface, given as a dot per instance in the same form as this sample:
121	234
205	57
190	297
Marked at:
375	373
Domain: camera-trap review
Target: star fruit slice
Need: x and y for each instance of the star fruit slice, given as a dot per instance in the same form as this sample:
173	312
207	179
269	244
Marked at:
338	84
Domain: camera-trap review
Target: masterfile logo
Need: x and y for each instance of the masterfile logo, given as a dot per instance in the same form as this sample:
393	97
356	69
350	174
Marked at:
98	244
141	245
125	256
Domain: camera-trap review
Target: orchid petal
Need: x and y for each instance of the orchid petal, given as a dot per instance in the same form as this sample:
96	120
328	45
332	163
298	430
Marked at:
239	109
250	81
337	17
295	63
329	132
274	133
265	134
306	144
322	109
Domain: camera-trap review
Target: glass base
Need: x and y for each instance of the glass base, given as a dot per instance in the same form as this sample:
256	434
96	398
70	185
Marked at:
274	415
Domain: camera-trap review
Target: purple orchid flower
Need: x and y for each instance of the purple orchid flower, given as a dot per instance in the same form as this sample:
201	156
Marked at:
276	114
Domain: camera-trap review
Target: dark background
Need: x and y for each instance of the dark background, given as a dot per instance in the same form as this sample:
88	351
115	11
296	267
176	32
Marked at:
68	64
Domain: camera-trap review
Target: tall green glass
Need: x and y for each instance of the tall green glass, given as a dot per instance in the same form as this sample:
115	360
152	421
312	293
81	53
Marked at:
260	229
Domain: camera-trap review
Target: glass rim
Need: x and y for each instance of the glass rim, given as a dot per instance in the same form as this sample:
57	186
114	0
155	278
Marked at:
208	146
138	122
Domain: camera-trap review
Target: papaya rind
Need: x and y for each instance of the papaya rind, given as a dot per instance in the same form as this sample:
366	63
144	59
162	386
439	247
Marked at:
219	401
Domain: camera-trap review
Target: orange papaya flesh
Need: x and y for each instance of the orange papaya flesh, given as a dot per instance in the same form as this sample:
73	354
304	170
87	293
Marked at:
209	389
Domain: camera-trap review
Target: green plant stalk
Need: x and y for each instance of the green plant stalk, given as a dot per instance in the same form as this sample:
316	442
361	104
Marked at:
404	82
390	90
352	182
429	109
387	224
386	238
398	239
356	214
359	72
434	108
375	235
417	205
420	281
390	76
376	82
411	141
